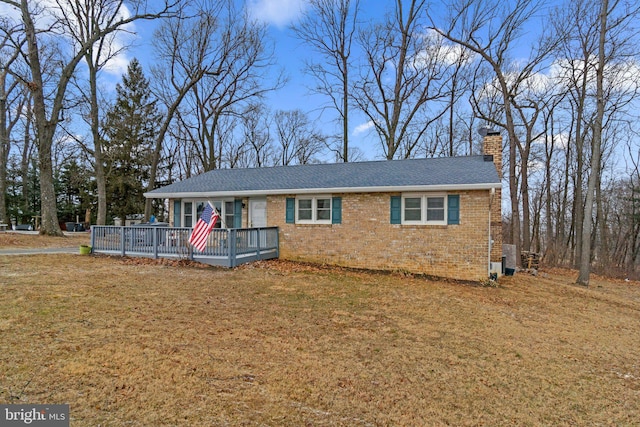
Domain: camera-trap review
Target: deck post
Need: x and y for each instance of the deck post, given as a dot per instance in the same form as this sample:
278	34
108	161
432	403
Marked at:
155	242
122	241
259	235
232	246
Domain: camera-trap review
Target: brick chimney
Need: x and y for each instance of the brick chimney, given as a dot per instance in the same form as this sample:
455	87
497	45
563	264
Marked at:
492	146
492	150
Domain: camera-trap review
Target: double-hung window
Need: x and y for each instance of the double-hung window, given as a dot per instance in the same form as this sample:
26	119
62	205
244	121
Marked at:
428	209
192	210
228	214
313	210
188	214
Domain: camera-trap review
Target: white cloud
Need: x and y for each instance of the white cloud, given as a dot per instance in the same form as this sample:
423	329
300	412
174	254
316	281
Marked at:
276	12
621	76
438	50
117	65
363	128
561	140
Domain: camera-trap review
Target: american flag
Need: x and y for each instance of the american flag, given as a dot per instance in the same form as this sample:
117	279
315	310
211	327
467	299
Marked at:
203	227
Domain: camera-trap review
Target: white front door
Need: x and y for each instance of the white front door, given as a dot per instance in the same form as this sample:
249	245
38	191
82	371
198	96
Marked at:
257	218
257	212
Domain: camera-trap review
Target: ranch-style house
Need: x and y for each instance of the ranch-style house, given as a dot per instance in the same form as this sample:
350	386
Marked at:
438	216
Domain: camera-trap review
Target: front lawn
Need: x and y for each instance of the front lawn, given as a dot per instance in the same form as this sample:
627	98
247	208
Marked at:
141	343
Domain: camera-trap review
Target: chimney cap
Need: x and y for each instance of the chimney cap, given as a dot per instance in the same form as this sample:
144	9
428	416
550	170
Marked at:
487	131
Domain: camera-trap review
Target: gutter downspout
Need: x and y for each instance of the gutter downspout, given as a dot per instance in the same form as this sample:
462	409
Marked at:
491	197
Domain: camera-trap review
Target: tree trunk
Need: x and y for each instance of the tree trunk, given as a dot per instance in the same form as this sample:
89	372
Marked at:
48	202
604	254
551	240
524	187
345	110
24	162
578	209
4	148
44	130
98	157
585	256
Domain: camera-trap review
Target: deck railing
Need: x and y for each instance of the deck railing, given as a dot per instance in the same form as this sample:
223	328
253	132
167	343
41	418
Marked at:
225	247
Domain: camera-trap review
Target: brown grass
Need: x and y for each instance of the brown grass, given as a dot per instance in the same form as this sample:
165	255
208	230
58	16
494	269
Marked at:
139	343
15	240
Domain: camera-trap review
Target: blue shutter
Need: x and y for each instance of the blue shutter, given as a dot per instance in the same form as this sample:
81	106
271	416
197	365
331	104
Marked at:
336	210
453	209
177	204
396	210
237	213
290	216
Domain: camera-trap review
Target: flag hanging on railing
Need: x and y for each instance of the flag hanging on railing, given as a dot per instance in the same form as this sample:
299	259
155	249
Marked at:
203	227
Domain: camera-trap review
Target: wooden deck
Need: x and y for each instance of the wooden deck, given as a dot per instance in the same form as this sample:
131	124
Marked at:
225	247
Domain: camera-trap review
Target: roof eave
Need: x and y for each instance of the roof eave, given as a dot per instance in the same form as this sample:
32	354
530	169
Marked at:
283	191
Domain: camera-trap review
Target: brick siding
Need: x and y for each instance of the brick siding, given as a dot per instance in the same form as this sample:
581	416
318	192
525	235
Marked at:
367	239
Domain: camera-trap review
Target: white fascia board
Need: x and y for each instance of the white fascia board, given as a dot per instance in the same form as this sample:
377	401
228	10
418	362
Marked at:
389	189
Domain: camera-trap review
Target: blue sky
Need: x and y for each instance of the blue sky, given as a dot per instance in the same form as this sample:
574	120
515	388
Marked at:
290	54
279	15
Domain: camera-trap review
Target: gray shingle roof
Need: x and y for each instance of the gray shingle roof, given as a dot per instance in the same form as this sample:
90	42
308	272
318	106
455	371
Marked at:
386	175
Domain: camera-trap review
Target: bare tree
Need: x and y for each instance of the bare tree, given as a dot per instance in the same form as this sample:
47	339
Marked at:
185	138
614	27
576	53
594	58
90	18
257	136
12	102
48	112
402	84
628	246
232	152
329	27
27	149
240	49
298	142
185	46
458	85
490	28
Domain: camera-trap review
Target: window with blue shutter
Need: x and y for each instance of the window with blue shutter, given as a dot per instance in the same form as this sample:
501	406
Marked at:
176	213
336	210
453	209
290	215
396	210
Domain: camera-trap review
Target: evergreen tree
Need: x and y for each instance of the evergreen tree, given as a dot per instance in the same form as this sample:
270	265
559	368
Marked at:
75	188
23	191
130	131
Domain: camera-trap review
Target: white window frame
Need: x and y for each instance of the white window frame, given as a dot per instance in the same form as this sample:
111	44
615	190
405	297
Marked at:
314	209
424	197
218	203
184	215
